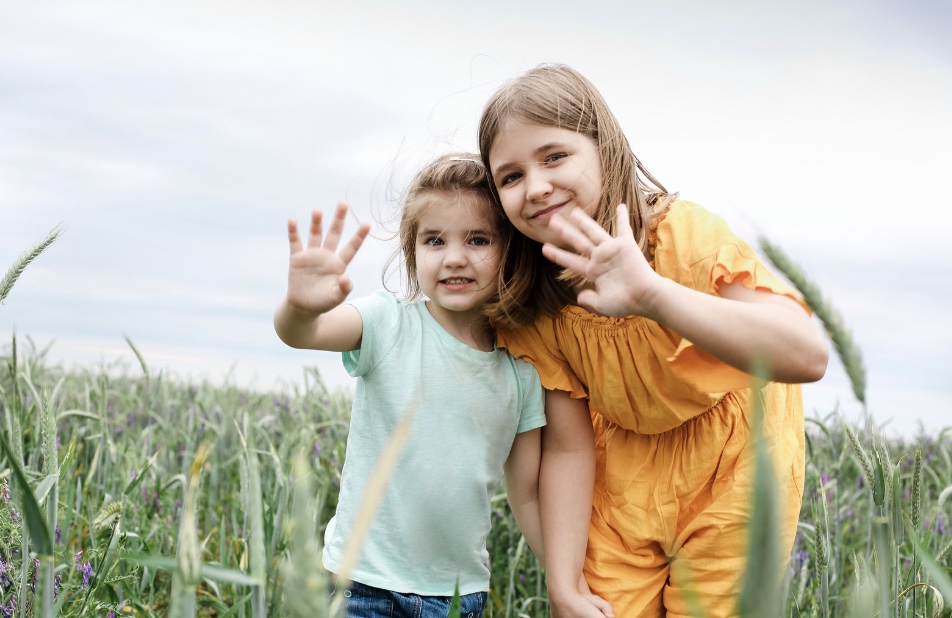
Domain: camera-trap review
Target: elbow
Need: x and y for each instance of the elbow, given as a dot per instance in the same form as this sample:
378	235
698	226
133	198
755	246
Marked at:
811	366
816	358
816	369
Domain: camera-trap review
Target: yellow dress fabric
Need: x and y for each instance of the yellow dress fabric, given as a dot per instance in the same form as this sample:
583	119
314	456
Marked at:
673	428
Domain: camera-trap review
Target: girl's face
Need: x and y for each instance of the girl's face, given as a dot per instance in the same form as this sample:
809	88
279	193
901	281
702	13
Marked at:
541	172
457	255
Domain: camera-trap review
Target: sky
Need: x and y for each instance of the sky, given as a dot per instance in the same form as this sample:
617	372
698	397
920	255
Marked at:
172	141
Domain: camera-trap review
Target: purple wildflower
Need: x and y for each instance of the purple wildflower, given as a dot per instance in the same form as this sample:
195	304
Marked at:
36	572
86	569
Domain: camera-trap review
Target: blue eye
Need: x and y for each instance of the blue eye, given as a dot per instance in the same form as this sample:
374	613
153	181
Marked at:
510	178
480	241
552	158
434	241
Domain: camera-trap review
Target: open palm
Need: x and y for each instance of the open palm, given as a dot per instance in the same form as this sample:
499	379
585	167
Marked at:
623	281
317	277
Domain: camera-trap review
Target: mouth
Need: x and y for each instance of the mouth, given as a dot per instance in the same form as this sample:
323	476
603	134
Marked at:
546	213
457	281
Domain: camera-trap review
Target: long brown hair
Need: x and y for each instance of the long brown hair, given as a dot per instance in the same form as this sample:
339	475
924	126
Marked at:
555	95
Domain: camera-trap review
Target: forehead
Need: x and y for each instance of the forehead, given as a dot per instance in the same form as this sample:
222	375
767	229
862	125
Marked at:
463	210
522	138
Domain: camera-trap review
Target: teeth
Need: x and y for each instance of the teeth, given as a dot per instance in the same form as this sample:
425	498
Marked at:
455	281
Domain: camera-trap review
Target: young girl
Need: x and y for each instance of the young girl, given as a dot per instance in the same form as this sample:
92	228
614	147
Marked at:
653	311
477	410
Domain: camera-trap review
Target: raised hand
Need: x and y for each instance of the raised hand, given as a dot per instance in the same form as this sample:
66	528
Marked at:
317	281
623	283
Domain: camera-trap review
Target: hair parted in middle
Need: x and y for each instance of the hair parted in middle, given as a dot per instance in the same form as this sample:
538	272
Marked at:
555	95
444	180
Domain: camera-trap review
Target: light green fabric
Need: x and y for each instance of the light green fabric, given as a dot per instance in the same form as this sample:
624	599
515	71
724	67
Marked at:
468	405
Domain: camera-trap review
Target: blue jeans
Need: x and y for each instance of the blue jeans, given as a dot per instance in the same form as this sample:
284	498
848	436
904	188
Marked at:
368	602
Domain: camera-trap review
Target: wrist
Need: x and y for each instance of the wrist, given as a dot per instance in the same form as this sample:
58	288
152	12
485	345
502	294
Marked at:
562	591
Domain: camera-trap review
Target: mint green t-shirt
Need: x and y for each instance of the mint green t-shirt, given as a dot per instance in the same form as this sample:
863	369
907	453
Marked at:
468	406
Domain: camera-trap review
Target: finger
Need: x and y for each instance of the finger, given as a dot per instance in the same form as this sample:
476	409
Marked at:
566	259
622	221
602	605
315	233
345	284
588	299
294	239
571	235
349	250
593	232
336	229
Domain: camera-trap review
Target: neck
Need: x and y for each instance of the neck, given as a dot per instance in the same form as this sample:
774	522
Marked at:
469	327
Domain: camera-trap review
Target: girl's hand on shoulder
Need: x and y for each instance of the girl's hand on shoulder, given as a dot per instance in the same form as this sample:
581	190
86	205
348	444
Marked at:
624	282
317	281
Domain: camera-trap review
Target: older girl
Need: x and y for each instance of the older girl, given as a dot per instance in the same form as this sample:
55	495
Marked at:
653	311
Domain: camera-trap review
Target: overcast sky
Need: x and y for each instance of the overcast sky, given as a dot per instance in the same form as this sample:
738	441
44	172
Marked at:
173	140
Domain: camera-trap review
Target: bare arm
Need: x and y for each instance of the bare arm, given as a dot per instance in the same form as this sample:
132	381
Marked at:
522	487
566	484
311	315
738	327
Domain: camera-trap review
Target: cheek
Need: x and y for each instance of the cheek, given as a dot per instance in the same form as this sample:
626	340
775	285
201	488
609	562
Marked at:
510	205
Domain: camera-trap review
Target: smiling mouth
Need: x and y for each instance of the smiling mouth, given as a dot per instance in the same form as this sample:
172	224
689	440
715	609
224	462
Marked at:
456	281
547	212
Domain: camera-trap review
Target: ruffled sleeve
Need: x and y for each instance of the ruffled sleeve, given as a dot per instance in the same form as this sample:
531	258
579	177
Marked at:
537	343
697	249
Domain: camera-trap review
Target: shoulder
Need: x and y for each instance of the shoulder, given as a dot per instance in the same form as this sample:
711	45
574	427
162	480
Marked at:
382	301
529	339
688	232
383	312
683	218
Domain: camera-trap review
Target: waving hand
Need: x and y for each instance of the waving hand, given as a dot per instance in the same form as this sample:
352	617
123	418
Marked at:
623	283
317	281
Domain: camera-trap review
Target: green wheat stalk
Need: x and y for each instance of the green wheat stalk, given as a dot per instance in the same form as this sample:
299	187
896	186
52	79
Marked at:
842	338
14	272
305	581
760	588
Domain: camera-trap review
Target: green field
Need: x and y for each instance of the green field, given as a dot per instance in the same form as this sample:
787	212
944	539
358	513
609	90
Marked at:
128	493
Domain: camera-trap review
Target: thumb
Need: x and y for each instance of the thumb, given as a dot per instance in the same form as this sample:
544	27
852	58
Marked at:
602	605
587	299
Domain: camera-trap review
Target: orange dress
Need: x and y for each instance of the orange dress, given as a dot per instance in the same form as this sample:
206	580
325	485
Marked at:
672	427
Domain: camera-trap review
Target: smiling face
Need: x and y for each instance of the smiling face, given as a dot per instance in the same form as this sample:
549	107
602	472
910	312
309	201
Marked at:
540	172
457	255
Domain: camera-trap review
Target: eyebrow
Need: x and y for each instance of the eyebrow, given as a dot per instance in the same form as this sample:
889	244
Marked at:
473	232
505	167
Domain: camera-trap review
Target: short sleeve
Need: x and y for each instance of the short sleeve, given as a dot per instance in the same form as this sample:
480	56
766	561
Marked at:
537	344
532	398
697	249
380	316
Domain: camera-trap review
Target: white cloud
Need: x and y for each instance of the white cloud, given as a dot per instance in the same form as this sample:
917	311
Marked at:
175	138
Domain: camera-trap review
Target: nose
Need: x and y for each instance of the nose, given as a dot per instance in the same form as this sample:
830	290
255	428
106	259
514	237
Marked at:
537	186
455	256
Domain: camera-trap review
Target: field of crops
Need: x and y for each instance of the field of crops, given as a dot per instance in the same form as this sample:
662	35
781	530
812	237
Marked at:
123	492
